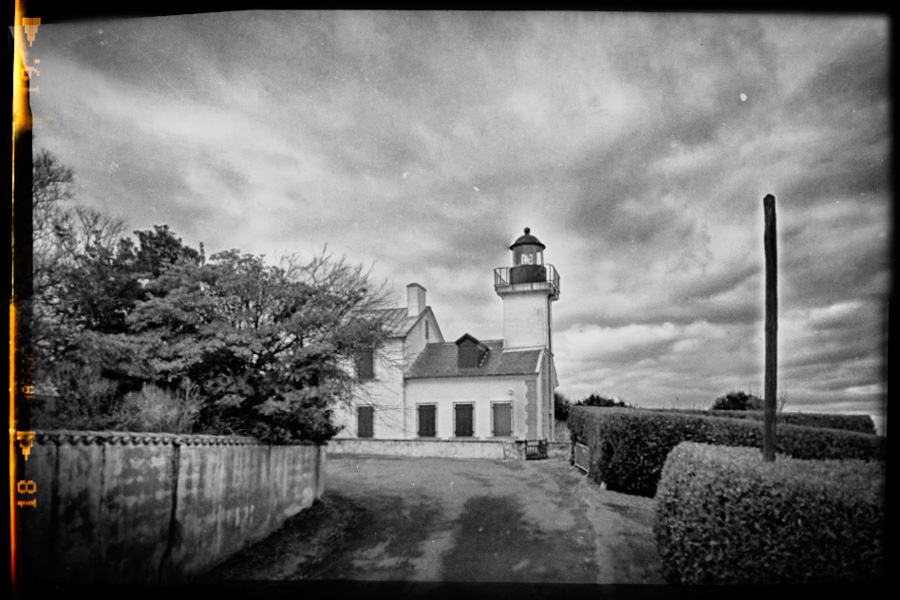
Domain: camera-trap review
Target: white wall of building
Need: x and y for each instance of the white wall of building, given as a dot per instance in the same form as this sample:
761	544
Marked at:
426	331
385	392
483	392
526	319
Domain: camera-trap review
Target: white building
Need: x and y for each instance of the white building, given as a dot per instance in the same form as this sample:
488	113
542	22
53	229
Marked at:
426	388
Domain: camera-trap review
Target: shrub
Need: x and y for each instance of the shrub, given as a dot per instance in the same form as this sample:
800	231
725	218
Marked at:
725	516
629	446
859	423
84	399
737	400
157	410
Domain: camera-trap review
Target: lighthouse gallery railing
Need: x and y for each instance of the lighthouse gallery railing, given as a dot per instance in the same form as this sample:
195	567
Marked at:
549	281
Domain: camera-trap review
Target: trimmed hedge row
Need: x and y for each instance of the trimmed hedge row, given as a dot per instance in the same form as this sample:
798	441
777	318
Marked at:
860	423
629	446
723	516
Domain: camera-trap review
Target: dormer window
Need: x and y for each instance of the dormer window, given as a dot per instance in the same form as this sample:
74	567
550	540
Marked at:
470	353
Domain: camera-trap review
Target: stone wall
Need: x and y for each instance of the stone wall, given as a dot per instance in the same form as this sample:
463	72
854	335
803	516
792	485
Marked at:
153	508
493	449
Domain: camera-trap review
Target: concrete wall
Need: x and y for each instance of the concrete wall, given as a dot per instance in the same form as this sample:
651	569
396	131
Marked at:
493	449
154	508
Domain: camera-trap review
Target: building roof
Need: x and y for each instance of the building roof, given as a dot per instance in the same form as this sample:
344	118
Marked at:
396	321
440	360
527	239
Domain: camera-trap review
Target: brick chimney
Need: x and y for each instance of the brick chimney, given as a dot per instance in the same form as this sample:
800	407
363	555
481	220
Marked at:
415	299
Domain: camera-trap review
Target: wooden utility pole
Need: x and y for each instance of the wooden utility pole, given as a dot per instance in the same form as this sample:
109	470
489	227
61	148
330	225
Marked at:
771	329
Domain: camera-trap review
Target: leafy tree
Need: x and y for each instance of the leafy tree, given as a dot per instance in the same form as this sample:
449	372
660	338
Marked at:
51	187
561	406
70	245
737	400
266	346
129	324
157	250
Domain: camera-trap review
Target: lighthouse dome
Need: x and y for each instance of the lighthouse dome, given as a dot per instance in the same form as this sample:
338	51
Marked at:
527	239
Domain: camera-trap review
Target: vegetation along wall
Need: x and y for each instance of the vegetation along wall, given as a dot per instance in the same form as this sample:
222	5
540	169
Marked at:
628	446
724	516
117	507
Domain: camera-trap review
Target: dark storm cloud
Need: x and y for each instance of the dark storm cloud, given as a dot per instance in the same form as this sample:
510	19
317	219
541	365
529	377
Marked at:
831	261
638	147
716	284
814	357
849	168
850	80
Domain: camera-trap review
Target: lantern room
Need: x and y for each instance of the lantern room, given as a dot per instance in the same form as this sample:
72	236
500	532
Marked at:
528	259
527	250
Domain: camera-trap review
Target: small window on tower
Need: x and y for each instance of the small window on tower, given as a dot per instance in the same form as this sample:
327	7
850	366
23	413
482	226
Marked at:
528	259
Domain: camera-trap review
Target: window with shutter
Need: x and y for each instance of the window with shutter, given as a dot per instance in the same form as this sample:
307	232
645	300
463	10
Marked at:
365	425
502	420
365	365
427	420
464	420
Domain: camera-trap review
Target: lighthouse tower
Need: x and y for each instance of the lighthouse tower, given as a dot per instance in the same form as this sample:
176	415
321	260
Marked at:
527	288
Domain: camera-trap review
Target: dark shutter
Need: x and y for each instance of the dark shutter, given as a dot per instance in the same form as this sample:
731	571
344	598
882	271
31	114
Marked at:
365	365
502	420
427	421
365	425
464	427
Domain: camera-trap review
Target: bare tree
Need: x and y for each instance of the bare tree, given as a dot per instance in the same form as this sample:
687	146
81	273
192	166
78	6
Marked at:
63	235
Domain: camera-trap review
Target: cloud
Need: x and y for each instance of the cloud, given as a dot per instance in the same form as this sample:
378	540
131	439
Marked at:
422	143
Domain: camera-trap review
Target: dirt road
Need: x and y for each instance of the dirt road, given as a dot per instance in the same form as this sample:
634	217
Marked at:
476	520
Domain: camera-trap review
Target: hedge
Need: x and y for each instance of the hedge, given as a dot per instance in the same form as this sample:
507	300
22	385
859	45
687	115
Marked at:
860	423
629	446
725	516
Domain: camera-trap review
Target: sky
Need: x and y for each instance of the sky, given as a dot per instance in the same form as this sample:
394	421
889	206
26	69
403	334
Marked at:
636	146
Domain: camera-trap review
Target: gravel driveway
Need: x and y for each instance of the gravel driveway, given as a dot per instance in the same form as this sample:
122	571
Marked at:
429	519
